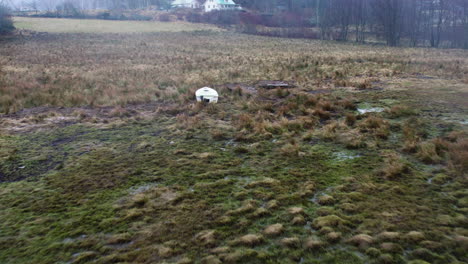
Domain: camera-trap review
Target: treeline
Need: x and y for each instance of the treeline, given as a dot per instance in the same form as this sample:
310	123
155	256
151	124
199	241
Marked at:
6	24
434	23
52	5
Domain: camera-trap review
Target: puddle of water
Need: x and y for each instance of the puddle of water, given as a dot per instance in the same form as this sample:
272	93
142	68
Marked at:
342	156
314	199
389	101
140	189
370	110
456	119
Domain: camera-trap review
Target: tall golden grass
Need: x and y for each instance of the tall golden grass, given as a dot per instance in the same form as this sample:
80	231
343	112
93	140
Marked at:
118	69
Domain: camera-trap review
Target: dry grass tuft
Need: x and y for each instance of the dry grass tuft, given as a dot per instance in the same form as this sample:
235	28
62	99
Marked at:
314	244
350	119
291	242
388	236
251	240
290	150
296	210
298	220
362	240
211	260
206	237
427	152
375	125
328	221
398	111
273	230
394	167
333	237
326	200
391	247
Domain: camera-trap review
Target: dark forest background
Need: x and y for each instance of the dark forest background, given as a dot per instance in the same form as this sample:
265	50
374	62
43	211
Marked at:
430	23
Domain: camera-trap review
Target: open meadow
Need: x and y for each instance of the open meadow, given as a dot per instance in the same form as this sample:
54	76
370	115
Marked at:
105	157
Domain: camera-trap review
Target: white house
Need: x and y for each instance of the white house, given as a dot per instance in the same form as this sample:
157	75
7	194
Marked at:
207	95
186	4
211	5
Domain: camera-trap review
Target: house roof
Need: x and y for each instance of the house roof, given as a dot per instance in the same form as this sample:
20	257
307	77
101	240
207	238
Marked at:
184	2
220	2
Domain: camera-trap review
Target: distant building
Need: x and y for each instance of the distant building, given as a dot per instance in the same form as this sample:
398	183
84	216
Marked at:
211	5
186	4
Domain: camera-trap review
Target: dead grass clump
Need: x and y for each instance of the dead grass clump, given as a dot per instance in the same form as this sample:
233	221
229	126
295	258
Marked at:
307	122
244	121
218	134
251	240
462	241
291	242
414	130
328	221
248	206
119	239
333	236
348	207
373	252
314	244
290	150
273	128
296	210
376	126
363	84
347	104
328	132
326	200
188	122
298	220
458	154
311	101
326	105
394	167
427	152
321	113
398	111
293	125
391	247
411	139
206	237
273	204
325	210
273	230
362	240
389	236
211	260
306	188
350	119
352	139
267	183
120	112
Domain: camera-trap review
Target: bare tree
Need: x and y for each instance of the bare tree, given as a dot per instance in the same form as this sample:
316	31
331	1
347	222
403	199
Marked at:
388	14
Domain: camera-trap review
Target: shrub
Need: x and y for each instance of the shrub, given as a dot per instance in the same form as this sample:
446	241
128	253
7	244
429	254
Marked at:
68	9
165	17
220	17
6	24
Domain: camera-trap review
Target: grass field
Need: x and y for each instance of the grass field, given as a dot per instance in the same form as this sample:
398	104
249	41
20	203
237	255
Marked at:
59	25
106	158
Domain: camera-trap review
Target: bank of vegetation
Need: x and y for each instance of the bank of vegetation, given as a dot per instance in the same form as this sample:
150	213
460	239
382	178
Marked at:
427	23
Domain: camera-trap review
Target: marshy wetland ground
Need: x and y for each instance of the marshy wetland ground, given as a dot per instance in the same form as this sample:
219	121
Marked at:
106	158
